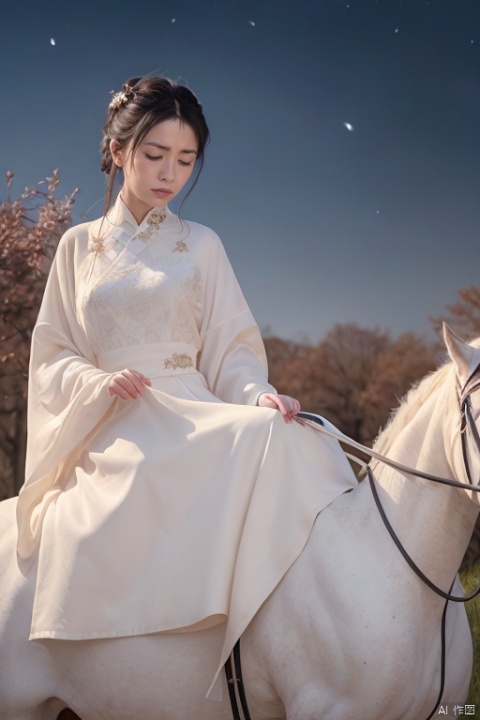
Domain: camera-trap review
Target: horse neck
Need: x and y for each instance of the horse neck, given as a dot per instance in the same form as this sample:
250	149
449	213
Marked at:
434	522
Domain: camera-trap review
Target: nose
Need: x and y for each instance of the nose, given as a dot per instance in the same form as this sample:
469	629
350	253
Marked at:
167	171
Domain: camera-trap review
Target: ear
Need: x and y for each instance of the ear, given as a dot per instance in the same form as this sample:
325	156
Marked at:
117	152
465	357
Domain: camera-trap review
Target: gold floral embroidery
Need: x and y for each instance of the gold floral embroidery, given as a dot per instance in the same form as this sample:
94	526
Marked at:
182	361
155	219
181	246
157	216
97	246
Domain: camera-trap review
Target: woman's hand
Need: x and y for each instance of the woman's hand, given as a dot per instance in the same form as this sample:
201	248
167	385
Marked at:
288	406
128	384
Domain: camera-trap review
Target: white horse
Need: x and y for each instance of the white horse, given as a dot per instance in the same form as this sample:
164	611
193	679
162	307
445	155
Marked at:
349	633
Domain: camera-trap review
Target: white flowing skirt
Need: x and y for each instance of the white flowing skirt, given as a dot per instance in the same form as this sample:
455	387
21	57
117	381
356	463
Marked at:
182	512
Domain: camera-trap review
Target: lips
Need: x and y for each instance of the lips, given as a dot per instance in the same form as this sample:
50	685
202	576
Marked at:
162	192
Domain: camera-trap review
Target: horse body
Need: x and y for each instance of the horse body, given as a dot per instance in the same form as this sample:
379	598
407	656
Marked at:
350	632
371	646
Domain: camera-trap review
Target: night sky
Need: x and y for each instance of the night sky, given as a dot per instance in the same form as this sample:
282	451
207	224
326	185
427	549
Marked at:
343	172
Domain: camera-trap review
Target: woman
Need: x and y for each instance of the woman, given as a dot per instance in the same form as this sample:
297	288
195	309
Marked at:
164	491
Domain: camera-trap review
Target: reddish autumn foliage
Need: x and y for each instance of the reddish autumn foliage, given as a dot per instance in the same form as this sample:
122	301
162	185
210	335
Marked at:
463	315
354	376
30	228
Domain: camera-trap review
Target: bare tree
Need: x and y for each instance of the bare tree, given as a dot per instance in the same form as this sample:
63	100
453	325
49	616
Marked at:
30	228
332	377
463	315
400	366
280	352
354	376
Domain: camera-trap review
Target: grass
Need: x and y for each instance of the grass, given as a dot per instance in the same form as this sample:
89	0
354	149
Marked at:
471	580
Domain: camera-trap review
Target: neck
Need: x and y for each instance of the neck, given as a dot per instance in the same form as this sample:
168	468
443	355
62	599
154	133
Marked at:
434	522
137	207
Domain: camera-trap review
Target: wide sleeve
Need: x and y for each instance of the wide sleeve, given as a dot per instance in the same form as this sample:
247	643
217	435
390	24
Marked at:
67	394
233	358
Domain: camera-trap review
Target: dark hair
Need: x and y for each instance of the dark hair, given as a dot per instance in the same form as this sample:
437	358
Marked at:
142	104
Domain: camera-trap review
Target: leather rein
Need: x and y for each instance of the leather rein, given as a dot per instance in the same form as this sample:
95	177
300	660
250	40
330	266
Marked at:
233	668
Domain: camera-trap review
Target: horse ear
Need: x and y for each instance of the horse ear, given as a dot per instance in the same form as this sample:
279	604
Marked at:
465	357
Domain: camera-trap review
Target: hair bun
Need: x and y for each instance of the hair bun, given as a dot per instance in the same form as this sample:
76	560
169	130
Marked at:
130	84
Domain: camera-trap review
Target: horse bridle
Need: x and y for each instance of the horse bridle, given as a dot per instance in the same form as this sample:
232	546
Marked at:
233	668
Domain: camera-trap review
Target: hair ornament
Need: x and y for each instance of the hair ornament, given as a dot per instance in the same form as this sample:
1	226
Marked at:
120	98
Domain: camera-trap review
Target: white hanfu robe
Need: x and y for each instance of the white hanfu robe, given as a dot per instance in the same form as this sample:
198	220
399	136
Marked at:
186	507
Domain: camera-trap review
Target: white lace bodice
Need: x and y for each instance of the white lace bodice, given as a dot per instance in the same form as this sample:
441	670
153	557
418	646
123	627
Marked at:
153	297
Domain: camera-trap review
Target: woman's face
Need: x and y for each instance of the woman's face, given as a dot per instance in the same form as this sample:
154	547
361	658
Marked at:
161	166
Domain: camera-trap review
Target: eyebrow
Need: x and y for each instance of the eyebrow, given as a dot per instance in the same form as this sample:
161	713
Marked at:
165	147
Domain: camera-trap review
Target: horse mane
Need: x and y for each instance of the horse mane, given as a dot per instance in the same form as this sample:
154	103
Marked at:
444	378
412	402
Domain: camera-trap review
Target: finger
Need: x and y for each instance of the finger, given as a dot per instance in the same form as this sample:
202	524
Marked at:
266	400
128	387
294	407
142	377
278	400
135	381
116	389
125	386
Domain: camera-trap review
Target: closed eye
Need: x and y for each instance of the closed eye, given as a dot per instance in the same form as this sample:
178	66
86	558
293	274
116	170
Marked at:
160	157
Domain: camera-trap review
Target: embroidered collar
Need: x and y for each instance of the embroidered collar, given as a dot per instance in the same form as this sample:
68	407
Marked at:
121	226
154	219
120	215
